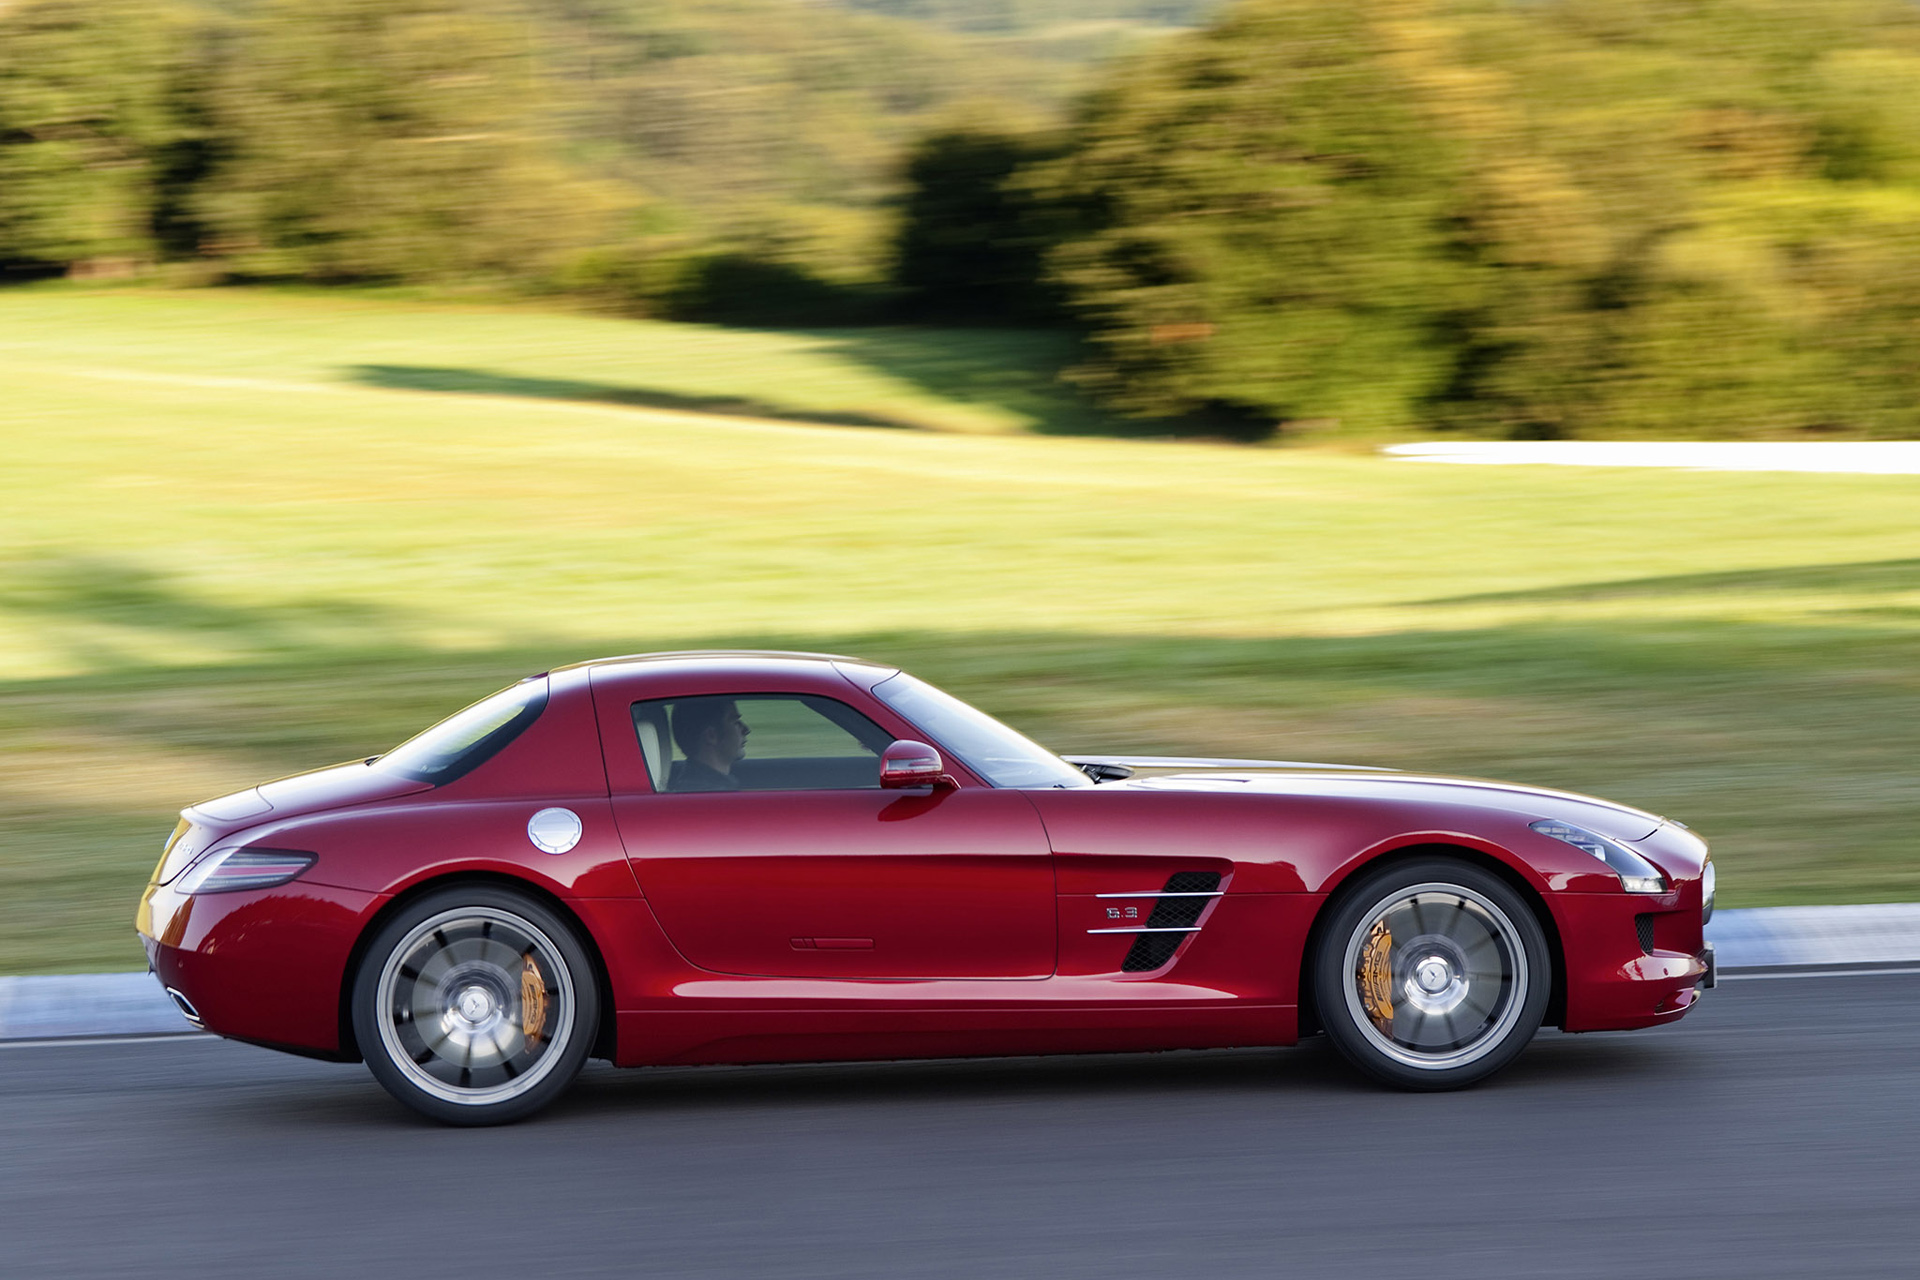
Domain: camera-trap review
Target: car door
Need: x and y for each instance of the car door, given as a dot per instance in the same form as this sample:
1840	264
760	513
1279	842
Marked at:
810	869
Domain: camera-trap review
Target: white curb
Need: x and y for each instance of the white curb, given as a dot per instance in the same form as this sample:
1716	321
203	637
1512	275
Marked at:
1857	457
86	1004
80	1006
1801	937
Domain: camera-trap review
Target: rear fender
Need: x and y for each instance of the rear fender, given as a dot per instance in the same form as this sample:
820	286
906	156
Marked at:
604	1045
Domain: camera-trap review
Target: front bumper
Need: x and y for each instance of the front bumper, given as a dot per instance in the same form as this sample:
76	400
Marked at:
1613	981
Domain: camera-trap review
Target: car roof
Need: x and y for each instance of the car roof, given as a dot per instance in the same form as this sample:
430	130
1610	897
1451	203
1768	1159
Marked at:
718	657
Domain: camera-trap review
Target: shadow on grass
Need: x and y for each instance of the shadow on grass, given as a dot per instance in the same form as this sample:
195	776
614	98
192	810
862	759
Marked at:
1864	576
103	590
1023	370
479	382
331	657
1018	370
1015	371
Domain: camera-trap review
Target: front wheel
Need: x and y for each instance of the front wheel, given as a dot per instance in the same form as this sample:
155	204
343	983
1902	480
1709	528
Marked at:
1431	974
476	1005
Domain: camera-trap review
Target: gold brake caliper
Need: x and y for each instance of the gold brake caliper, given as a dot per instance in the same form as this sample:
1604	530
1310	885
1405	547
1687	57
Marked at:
533	1000
1376	977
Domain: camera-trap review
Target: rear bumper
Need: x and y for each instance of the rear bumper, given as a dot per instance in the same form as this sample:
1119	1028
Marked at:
265	966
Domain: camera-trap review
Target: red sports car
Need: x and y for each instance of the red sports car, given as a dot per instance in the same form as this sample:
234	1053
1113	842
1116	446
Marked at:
752	857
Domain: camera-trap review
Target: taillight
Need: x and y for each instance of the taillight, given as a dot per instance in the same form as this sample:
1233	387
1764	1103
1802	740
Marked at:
229	870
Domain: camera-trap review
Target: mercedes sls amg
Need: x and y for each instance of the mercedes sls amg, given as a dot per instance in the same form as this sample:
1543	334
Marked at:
733	857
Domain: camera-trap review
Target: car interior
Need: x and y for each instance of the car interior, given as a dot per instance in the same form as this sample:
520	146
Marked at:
797	742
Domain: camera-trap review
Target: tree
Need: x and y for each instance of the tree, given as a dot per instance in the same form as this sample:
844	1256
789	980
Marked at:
974	231
1567	218
88	99
1259	222
382	140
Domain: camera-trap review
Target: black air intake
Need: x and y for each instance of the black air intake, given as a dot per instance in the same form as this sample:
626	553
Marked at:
1151	950
1643	926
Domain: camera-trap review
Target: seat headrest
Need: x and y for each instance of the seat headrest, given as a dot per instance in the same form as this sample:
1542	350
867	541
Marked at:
653	746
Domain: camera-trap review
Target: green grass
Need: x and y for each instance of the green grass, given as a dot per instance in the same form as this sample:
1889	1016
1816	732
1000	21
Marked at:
234	543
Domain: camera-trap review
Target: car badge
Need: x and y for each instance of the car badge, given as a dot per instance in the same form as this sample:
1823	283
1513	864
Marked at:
554	830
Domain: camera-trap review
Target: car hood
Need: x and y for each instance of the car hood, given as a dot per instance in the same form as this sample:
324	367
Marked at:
1616	821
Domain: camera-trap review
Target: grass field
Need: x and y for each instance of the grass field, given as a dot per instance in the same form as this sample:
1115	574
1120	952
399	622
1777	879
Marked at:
247	533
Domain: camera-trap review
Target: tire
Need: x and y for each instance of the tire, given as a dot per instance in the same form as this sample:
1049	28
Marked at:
445	994
1431	974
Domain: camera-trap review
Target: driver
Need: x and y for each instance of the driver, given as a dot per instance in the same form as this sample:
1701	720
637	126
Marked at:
711	734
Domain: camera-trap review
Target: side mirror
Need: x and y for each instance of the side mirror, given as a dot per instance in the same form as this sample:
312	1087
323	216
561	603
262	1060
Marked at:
907	763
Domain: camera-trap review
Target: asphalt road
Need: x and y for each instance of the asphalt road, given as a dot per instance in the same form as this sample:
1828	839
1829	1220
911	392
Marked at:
1776	1132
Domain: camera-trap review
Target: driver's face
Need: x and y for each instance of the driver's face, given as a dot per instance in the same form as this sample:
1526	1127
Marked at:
731	743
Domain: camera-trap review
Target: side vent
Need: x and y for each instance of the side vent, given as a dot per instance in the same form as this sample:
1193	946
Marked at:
1643	926
1177	914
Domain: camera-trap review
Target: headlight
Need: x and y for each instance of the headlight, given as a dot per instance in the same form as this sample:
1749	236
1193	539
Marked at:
1637	875
229	870
1706	892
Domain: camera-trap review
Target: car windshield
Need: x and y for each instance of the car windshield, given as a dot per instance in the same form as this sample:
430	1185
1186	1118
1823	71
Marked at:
468	739
998	754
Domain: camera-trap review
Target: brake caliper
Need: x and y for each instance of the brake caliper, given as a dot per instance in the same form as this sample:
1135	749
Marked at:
1376	977
533	1000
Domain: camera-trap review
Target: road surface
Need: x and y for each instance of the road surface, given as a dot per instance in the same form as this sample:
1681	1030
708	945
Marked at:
1775	1132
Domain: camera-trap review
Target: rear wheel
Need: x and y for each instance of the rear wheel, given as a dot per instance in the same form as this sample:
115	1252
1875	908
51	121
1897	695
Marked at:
476	1005
1432	974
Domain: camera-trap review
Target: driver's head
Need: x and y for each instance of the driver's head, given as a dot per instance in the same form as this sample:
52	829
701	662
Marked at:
710	730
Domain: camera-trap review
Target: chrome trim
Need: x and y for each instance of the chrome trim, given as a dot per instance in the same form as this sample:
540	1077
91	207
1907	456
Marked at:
1156	893
185	1006
1191	928
389	999
1218	762
1514	977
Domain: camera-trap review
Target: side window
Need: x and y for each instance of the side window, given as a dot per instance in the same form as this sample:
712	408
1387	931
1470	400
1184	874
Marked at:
758	742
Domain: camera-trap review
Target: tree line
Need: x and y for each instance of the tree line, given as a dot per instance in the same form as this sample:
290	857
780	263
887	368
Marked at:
1552	218
1522	218
687	157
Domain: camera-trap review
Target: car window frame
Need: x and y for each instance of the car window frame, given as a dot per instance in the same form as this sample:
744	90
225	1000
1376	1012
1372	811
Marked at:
806	697
482	749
